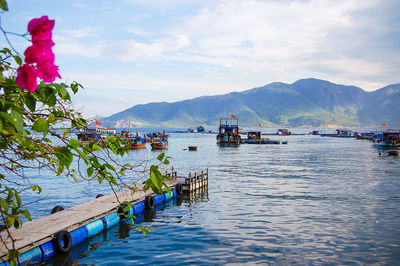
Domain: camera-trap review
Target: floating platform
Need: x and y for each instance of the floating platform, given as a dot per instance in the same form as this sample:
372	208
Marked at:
40	239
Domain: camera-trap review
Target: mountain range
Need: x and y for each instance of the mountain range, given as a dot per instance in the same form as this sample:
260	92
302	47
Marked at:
306	102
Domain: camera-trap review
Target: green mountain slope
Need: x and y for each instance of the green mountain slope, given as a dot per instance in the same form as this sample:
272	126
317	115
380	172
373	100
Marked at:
306	102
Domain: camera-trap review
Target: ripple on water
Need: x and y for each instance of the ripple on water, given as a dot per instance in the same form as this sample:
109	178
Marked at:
314	201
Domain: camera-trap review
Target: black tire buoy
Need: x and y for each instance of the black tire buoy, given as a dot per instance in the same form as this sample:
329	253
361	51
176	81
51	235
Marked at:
57	209
65	237
179	189
99	195
149	202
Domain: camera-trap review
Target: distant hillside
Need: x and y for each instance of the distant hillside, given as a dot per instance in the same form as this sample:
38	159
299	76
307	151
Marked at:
310	102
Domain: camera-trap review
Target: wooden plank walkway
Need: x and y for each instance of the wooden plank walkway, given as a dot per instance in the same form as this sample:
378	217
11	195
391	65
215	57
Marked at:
37	232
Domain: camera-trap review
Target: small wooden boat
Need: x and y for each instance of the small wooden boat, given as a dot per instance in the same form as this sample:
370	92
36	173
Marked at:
161	145
137	142
192	148
138	145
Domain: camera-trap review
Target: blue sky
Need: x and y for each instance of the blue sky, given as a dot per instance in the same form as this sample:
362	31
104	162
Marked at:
128	52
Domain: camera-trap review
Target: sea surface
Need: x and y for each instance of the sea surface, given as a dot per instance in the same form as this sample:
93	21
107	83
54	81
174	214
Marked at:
317	200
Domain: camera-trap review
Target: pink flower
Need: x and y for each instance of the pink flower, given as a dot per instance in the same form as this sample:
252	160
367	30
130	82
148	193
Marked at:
48	72
38	54
44	43
40	28
27	77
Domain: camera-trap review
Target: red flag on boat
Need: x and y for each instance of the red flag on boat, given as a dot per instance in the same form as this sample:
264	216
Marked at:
259	125
384	125
233	116
98	123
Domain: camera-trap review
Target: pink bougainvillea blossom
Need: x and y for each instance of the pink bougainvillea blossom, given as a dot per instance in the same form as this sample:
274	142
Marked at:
26	77
41	28
39	58
38	54
48	72
44	43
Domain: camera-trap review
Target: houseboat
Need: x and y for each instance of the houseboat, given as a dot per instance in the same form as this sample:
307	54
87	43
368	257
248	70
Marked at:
283	131
254	137
340	133
228	131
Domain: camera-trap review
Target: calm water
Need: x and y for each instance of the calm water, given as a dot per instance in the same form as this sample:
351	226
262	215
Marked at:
314	201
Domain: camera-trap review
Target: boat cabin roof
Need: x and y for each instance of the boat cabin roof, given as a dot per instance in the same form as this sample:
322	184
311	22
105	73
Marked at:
229	123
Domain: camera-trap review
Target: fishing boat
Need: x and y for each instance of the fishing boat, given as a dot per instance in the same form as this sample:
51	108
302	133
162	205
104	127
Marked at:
228	131
387	138
95	134
137	142
161	145
156	136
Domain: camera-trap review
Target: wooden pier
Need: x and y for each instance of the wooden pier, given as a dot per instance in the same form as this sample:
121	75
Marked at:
194	181
37	232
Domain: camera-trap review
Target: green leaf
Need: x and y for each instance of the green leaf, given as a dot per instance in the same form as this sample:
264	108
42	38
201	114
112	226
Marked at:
83	156
38	188
3	5
51	119
17	59
17	199
4	204
161	156
65	133
10	194
166	162
12	255
19	123
30	103
47	95
89	171
64	155
27	214
75	143
167	189
62	91
96	147
74	88
41	125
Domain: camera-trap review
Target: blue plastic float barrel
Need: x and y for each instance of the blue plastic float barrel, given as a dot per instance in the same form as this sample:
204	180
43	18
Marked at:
168	196
94	227
33	256
47	250
159	206
174	193
158	199
139	218
78	236
138	208
111	220
6	263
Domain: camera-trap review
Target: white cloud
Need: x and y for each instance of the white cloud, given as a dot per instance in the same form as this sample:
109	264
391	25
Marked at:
131	50
79	42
